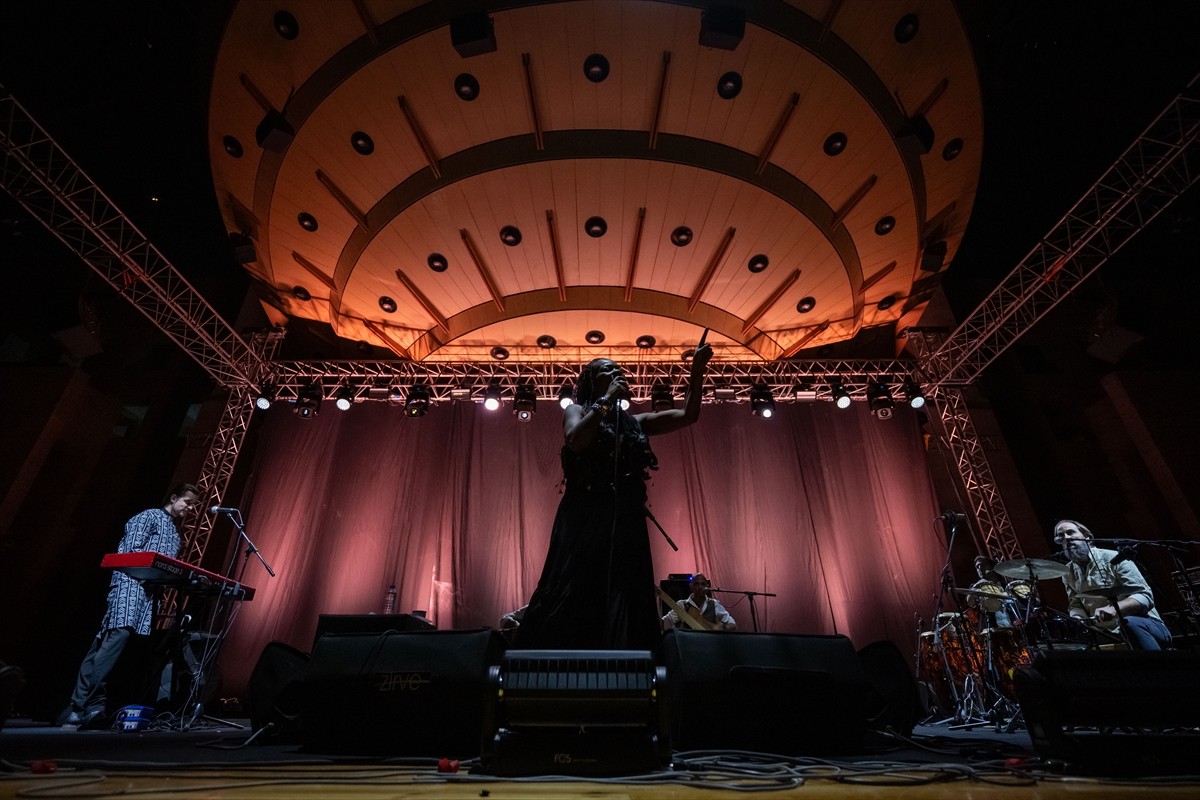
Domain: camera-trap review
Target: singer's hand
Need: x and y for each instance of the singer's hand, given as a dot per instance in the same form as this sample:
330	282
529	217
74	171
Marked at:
701	357
618	389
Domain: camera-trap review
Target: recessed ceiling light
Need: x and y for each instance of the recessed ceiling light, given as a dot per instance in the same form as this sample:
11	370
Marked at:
437	262
499	353
510	235
835	144
806	304
547	342
387	304
232	146
594	337
300	293
886	303
758	263
466	87
907	27
885	225
595	68
646	342
286	25
595	227
307	221
729	85
952	149
363	144
681	236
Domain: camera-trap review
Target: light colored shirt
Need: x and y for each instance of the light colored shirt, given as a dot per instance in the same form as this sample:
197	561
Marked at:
712	611
1101	574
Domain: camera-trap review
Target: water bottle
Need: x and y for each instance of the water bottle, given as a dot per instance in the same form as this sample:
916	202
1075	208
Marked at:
389	600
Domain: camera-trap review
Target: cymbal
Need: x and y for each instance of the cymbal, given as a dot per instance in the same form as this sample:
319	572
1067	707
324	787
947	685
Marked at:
977	593
1041	568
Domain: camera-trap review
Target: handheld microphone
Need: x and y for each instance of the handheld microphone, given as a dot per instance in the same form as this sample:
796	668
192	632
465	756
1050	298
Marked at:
953	516
222	510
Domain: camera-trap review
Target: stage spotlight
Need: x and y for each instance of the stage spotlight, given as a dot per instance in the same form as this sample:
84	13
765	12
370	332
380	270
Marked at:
565	397
916	397
661	397
266	396
879	398
762	404
418	401
623	403
308	401
491	397
841	397
525	402
345	396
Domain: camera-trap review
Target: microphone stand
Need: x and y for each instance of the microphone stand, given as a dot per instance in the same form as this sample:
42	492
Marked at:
751	595
674	546
215	640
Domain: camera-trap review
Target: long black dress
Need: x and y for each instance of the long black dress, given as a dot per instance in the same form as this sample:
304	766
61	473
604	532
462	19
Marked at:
597	586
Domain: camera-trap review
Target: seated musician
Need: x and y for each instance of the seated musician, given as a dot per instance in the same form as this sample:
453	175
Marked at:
130	609
998	612
1096	570
700	605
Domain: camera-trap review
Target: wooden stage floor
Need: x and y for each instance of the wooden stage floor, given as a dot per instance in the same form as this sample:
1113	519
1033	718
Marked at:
219	761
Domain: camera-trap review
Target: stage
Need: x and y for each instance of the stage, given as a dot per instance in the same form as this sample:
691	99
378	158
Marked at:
216	760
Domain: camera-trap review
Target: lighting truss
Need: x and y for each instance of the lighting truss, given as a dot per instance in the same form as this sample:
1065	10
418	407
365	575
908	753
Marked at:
467	381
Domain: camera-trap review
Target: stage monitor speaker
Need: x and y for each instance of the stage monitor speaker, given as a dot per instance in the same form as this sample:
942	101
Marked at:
473	34
576	712
370	623
1114	712
274	695
893	702
419	693
769	692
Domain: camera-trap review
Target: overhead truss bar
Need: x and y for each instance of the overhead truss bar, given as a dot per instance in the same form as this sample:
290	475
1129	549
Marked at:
724	381
56	192
1156	169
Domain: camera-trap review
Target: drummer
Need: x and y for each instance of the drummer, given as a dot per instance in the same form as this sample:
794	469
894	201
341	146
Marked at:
1097	577
998	612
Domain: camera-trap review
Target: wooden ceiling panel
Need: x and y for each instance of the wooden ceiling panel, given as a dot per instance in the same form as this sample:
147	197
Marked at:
335	97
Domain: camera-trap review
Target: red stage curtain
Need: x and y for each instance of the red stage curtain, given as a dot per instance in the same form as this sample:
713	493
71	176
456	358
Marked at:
831	510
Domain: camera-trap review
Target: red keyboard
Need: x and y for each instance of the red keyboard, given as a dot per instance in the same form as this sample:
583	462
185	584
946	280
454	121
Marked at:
155	568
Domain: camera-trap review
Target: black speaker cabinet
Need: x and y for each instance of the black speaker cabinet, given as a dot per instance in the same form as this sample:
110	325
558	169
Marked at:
1114	712
774	693
893	703
274	695
370	623
418	693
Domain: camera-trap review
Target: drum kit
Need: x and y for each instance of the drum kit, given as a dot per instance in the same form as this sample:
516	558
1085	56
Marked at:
970	656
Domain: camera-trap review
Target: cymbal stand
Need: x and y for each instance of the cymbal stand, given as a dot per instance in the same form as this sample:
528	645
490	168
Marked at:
965	701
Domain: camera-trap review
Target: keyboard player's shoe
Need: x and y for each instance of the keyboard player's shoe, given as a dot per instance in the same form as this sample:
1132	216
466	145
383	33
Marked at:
73	720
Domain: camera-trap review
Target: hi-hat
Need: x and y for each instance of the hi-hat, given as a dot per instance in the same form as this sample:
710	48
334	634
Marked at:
978	593
1041	568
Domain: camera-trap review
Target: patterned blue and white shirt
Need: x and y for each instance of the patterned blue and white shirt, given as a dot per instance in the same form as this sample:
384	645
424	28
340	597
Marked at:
129	606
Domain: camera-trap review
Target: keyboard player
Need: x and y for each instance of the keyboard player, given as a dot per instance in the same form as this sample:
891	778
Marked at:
130	609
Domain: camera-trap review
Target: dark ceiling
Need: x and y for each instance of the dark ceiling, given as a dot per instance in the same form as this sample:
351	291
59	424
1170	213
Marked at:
123	87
